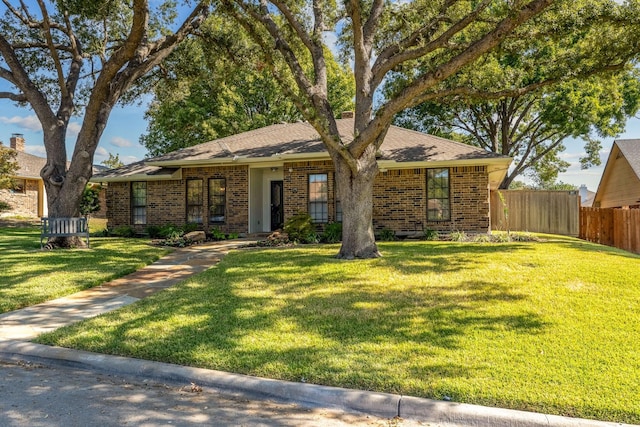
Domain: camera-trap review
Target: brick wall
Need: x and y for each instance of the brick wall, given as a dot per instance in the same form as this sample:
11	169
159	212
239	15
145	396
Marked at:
399	198
23	204
166	200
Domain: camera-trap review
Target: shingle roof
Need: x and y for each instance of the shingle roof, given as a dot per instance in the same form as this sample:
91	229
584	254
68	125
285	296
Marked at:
29	165
630	148
280	140
401	145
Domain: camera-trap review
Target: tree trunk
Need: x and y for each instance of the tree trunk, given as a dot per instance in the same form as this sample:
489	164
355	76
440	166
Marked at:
64	186
355	191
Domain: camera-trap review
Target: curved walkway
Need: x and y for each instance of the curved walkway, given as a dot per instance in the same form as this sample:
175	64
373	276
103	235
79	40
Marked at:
20	326
27	323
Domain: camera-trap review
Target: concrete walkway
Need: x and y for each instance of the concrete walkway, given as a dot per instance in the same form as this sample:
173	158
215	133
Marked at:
19	327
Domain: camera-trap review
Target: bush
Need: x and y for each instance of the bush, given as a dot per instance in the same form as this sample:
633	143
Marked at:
332	233
4	206
216	234
458	236
300	228
387	235
123	231
431	235
482	238
189	227
153	231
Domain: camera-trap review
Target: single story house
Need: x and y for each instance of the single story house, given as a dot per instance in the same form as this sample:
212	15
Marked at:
27	197
254	181
620	183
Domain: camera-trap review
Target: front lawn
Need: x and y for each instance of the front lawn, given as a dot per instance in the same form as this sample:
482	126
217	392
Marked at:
30	276
550	327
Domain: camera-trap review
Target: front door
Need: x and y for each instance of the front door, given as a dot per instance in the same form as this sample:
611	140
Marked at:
277	211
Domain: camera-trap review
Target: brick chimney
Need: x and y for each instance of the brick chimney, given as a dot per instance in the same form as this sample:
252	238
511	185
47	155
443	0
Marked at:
17	142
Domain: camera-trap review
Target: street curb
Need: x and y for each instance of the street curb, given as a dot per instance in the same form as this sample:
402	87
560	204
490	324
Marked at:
380	404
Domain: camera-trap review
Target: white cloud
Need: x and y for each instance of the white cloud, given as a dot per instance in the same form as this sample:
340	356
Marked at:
73	129
29	122
101	153
36	150
129	159
118	141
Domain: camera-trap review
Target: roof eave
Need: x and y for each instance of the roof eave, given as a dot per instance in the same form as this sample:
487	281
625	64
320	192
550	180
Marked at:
139	177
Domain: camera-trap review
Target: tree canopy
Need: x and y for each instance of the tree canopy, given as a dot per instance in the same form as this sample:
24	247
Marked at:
421	48
215	85
579	84
71	57
8	166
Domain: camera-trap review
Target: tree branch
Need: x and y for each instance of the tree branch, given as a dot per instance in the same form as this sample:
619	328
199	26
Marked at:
18	97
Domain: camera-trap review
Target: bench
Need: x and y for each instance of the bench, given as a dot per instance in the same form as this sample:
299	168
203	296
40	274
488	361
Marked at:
64	227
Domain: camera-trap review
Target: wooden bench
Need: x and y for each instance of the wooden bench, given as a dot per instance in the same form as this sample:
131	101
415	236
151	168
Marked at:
64	227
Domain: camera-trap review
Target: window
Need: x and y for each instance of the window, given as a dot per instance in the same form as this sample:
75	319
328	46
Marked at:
139	203
217	199
318	197
194	201
438	200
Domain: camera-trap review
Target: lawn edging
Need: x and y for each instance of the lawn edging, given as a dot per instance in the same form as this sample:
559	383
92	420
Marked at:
374	403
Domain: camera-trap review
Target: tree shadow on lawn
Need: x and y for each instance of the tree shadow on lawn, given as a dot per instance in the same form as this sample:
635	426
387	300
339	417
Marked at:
443	257
327	327
101	265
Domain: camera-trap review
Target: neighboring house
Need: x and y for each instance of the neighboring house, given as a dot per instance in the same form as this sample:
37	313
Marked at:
27	197
254	181
620	183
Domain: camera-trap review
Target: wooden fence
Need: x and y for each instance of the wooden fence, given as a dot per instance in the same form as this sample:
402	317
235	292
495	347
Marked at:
612	227
553	212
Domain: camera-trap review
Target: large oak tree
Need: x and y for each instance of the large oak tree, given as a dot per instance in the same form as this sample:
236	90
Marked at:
72	57
429	42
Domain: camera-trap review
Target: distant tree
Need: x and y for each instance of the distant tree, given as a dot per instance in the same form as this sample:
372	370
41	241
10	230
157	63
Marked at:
215	85
113	161
90	201
532	127
8	166
75	57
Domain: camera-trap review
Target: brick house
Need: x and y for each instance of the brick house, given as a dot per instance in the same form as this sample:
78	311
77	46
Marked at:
27	197
252	182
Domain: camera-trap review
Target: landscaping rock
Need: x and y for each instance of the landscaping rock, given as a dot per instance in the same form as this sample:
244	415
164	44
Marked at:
196	236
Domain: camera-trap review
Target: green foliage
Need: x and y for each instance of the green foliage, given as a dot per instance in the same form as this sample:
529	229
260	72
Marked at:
585	99
8	166
458	236
300	228
90	201
216	234
387	235
189	227
332	233
429	234
219	87
4	206
113	162
123	231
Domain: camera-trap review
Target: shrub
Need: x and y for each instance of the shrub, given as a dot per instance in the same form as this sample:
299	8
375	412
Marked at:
168	230
524	237
458	236
216	234
153	231
332	233
482	238
4	206
387	235
123	231
500	238
300	228
431	235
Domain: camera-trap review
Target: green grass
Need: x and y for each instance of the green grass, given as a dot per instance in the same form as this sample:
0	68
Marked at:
30	276
550	327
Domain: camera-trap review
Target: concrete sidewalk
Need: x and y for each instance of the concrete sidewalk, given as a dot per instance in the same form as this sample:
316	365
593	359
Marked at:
19	327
